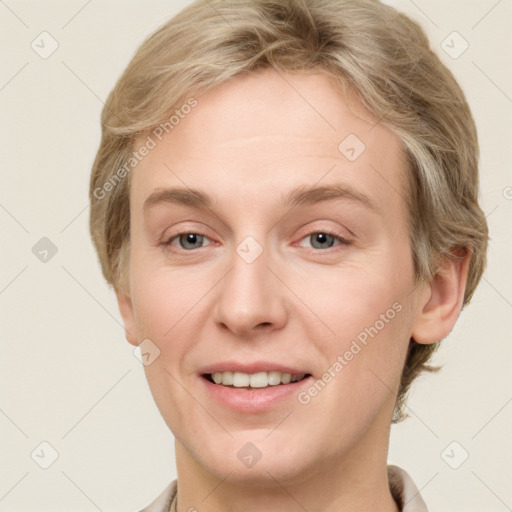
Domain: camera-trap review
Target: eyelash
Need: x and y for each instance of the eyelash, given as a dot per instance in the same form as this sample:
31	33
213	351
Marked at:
338	236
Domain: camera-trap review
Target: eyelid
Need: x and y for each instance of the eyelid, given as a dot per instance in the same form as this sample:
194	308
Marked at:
334	233
183	229
342	239
169	239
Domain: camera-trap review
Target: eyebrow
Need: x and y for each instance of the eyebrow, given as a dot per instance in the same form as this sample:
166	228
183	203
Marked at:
298	196
308	195
180	196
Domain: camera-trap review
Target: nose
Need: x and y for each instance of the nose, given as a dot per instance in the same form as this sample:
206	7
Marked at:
251	299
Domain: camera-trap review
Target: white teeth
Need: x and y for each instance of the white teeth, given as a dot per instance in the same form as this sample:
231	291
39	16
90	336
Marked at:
227	378
241	380
274	378
258	380
255	380
286	378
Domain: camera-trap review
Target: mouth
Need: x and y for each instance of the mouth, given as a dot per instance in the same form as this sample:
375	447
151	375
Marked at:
258	380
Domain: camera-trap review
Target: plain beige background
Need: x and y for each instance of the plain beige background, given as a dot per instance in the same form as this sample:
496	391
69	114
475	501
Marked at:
69	378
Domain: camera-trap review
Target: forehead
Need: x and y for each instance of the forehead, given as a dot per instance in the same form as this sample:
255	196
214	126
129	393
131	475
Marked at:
259	133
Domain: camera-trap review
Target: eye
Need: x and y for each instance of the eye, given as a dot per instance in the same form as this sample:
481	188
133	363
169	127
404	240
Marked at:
325	240
187	241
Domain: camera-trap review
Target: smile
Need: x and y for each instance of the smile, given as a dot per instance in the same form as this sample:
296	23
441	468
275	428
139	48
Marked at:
254	380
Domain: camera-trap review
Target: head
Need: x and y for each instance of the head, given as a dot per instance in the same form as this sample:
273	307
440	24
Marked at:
252	104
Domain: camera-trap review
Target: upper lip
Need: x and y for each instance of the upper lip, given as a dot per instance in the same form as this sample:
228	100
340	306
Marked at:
251	367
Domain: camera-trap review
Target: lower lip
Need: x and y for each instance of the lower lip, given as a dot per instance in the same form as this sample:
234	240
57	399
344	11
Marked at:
254	399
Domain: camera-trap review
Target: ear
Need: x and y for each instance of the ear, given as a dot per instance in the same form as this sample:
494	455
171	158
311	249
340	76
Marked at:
126	308
442	299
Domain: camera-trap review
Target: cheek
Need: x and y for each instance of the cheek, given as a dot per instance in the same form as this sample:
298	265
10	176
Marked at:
351	301
364	378
164	301
370	315
166	308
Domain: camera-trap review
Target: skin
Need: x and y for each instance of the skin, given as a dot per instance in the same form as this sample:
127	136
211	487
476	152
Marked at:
301	302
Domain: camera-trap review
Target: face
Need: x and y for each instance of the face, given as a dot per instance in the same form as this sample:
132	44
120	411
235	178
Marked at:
266	240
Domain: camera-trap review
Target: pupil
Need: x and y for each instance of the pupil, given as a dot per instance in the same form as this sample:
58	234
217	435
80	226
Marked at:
323	238
190	240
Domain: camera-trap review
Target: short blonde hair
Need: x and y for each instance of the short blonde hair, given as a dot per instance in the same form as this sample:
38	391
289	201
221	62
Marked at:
373	49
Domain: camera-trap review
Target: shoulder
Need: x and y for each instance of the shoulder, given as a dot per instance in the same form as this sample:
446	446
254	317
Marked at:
404	490
163	502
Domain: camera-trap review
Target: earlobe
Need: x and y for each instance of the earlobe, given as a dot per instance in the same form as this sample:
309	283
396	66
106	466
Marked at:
126	309
442	299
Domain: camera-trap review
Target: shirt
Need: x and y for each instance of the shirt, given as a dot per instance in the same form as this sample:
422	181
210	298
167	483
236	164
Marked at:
402	488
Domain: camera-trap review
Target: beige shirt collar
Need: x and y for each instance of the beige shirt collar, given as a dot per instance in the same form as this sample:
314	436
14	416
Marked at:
402	488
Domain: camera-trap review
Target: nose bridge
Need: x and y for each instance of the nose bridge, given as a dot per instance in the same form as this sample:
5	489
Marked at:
250	296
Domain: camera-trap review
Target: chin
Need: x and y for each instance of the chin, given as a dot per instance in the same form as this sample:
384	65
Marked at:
265	473
250	459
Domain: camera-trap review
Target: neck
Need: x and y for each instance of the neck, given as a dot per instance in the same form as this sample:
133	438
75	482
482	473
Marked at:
355	481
